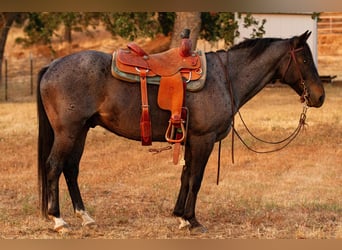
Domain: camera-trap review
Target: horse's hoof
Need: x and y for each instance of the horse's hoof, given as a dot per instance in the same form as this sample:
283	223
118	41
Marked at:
198	230
183	223
89	224
87	221
62	229
60	225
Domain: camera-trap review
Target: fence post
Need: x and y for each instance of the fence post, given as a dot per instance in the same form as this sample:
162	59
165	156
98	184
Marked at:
6	85
31	73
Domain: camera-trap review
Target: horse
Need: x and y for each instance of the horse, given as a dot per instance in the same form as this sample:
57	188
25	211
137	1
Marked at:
78	92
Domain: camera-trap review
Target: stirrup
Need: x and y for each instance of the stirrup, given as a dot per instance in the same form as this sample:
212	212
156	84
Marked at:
171	131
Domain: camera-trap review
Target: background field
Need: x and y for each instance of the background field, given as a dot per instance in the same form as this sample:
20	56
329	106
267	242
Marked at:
294	193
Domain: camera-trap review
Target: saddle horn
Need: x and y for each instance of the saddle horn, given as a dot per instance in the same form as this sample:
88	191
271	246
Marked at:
186	43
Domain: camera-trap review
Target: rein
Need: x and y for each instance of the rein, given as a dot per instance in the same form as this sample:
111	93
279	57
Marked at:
302	118
287	140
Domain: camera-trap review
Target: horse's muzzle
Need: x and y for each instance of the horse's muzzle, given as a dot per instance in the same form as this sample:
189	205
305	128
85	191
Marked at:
314	98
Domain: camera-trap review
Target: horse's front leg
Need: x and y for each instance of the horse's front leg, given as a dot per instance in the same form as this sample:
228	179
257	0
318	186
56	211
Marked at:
182	196
197	153
71	173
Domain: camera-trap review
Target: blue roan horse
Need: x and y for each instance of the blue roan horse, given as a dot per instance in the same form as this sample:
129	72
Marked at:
78	92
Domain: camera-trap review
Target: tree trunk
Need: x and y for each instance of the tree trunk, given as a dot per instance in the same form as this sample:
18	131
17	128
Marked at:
67	34
186	20
7	18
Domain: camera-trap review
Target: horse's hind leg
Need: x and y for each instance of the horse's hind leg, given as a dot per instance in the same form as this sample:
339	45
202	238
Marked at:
55	164
70	172
64	157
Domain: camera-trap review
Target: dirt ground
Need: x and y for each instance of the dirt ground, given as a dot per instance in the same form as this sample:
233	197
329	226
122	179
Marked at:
295	193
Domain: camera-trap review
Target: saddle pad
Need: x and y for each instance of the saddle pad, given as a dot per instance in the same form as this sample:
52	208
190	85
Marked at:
196	82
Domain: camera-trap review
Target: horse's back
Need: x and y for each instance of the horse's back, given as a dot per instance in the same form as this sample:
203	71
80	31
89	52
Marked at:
78	67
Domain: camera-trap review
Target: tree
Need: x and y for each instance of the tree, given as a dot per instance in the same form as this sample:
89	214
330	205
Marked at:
211	26
219	25
131	25
77	21
6	21
41	27
189	20
224	25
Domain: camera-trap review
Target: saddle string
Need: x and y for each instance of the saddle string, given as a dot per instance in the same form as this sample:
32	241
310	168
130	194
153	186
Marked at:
218	164
159	150
232	102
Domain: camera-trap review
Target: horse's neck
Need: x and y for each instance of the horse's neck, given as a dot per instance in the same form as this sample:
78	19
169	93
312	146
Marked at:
250	77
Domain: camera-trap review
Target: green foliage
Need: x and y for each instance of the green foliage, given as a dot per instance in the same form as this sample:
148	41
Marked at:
224	25
42	26
250	21
166	21
217	26
131	25
39	29
316	15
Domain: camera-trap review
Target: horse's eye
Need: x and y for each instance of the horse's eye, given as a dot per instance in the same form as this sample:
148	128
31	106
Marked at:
305	61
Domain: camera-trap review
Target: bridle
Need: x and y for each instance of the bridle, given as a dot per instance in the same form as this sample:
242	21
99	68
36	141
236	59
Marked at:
285	142
293	58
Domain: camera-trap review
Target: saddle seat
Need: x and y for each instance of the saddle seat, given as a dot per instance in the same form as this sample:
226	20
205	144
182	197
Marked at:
162	64
173	69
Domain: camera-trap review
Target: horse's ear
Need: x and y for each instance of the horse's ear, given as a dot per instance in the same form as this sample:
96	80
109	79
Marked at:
304	37
299	41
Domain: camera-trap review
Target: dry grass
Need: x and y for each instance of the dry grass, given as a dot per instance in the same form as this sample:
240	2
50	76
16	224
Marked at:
295	193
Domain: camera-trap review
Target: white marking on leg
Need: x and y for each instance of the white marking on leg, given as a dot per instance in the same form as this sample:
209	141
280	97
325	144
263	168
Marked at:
60	224
86	219
183	223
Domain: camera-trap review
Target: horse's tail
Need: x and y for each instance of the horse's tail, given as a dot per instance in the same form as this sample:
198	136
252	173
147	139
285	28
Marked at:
45	141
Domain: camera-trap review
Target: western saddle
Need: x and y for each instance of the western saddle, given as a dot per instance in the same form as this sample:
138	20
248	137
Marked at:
172	70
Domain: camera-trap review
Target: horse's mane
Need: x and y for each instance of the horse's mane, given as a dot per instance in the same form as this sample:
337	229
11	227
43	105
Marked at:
258	46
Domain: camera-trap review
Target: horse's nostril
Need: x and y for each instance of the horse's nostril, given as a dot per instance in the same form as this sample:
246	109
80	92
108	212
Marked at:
321	99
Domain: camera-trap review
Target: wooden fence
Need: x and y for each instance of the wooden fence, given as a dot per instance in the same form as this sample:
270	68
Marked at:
330	22
19	77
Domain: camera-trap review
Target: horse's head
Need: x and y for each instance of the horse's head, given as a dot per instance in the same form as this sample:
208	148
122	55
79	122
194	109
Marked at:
299	71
